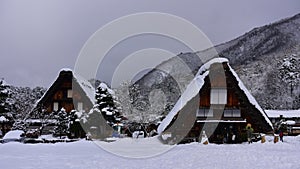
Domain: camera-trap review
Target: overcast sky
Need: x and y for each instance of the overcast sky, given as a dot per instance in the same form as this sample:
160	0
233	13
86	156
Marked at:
39	37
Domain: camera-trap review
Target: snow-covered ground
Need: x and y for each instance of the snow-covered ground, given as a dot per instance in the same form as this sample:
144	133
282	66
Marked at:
88	155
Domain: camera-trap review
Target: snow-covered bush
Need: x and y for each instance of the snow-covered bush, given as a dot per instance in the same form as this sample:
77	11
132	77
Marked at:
96	125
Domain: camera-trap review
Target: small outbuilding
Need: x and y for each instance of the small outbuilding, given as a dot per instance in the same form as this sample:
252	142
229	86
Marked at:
289	119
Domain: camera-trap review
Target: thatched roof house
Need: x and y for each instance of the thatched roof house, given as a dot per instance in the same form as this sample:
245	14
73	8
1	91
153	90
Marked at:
217	102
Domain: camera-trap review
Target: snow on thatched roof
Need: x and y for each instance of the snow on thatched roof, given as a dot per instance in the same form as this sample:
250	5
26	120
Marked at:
194	87
250	97
85	85
284	113
191	91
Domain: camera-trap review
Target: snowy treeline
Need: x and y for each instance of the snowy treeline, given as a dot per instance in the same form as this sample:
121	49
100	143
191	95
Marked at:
290	72
136	108
17	102
284	84
23	99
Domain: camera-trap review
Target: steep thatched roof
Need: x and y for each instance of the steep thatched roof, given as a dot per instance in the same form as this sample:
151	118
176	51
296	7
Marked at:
258	116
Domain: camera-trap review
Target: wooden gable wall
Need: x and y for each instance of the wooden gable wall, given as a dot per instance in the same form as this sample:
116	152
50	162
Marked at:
236	99
58	93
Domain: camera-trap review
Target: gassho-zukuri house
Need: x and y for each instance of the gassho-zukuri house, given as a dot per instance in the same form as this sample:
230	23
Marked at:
215	102
70	92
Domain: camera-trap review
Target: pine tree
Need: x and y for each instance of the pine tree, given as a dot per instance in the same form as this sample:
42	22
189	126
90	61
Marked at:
4	100
63	121
106	103
105	113
289	71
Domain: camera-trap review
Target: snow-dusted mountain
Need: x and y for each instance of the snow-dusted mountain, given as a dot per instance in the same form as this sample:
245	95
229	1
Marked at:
267	59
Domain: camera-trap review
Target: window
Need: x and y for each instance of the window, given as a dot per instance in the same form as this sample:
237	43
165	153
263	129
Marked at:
232	113
201	113
205	113
70	93
218	96
227	113
80	106
236	113
55	106
210	113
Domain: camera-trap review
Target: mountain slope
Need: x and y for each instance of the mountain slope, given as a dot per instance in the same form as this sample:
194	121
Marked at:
267	59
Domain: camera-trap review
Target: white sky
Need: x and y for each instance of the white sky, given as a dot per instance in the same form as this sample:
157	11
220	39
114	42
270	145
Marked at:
39	37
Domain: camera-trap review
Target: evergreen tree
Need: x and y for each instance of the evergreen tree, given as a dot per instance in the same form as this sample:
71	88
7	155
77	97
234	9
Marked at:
106	103
63	121
99	121
4	100
289	71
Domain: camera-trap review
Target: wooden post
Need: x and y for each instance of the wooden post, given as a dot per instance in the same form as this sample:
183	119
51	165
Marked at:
263	138
276	136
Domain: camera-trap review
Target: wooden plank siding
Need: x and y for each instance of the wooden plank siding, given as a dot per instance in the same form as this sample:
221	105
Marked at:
58	93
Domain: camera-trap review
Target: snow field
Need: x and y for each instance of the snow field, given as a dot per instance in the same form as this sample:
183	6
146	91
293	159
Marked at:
87	155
